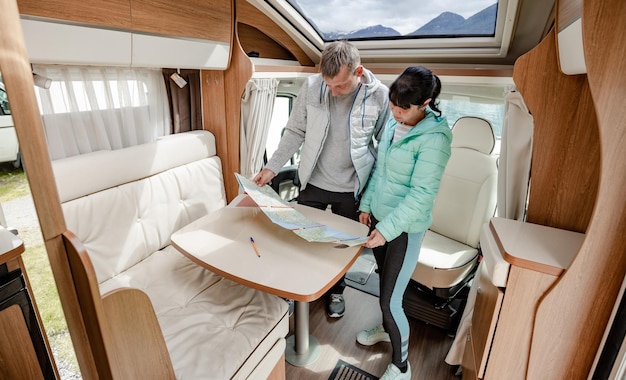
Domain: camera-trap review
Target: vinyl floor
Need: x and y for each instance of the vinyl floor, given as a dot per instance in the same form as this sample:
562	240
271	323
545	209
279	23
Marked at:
428	344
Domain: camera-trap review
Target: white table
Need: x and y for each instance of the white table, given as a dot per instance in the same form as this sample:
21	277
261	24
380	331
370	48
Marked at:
288	266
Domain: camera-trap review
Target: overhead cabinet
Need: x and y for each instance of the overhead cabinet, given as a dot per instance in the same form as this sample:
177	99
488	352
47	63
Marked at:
196	34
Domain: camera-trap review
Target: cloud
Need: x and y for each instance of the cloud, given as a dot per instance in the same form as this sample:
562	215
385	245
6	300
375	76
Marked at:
405	16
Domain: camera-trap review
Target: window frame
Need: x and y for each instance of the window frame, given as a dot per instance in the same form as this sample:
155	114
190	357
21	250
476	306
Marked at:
289	19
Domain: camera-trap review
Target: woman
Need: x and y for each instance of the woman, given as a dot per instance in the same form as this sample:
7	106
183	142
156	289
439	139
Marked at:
397	204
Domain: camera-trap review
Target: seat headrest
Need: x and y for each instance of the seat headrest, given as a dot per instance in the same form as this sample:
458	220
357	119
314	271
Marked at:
473	133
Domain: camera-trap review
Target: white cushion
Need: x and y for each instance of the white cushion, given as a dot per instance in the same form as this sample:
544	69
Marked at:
210	324
473	133
123	225
466	200
443	262
467	196
85	174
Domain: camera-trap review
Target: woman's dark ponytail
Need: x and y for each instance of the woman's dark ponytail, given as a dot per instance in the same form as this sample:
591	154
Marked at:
434	103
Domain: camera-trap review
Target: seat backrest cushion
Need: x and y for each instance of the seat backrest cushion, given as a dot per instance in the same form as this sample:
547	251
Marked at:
467	194
160	189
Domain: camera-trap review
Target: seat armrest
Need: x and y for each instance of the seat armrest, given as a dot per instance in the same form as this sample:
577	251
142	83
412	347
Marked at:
138	345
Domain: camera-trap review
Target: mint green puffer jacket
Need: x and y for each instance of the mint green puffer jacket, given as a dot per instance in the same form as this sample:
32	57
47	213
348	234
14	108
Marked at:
402	190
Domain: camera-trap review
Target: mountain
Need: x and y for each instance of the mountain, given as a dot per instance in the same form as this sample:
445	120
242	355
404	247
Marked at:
370	31
447	23
441	24
482	22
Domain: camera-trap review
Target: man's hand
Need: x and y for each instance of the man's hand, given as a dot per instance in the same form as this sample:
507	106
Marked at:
376	239
263	177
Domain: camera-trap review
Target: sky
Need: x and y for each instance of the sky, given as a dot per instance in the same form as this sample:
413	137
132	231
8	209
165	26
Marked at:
405	16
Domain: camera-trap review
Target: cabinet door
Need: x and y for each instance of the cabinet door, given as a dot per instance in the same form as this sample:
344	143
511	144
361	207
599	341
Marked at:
199	19
17	353
14	293
110	13
486	311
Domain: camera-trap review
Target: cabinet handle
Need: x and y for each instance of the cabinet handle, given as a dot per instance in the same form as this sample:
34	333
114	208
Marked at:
478	290
468	337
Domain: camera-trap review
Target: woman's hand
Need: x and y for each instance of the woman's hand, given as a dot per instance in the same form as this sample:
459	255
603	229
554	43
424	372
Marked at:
364	218
376	239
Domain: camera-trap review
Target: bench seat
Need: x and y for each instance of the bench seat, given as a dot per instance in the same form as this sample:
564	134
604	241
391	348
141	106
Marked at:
124	205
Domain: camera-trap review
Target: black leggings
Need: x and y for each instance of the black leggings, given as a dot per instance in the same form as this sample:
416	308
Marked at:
396	262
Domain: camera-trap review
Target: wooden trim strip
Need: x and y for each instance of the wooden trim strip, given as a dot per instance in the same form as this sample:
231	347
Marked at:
11	246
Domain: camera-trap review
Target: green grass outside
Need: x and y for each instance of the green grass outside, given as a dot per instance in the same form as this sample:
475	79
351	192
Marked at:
13	185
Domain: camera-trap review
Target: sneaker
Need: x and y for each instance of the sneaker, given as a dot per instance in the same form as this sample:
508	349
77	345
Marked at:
394	373
336	306
373	336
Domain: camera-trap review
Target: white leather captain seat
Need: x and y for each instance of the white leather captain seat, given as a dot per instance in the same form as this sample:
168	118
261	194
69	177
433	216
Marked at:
466	200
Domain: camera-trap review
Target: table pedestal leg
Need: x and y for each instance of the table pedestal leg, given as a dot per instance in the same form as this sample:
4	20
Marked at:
302	348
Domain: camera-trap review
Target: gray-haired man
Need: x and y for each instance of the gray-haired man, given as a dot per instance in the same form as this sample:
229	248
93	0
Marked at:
336	117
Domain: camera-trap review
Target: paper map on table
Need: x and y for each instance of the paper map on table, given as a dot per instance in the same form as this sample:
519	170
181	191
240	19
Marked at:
281	213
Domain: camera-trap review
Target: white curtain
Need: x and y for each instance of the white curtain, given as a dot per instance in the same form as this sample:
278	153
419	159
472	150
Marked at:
257	106
87	109
515	157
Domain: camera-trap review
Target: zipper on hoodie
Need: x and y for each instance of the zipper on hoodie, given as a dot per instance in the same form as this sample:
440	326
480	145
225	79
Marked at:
358	90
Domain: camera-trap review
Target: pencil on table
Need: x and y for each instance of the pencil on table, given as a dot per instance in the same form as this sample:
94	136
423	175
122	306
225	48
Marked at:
256	250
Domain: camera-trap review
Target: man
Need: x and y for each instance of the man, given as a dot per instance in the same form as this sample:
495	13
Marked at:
337	114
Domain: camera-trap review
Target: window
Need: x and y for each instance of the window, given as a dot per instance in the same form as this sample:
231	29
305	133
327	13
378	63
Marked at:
5	109
454	109
101	108
402	29
88	89
379	19
485	102
95	95
285	182
282	110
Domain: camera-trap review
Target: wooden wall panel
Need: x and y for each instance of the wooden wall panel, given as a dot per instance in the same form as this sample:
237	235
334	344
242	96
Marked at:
214	111
237	76
511	345
252	39
202	19
248	14
111	13
221	104
566	149
572	318
568	11
18	79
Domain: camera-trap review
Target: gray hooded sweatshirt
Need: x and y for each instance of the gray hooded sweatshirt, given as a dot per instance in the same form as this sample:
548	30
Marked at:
310	120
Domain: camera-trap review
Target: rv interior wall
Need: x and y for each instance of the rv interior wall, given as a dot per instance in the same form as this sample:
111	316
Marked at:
578	172
561	133
226	87
568	329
